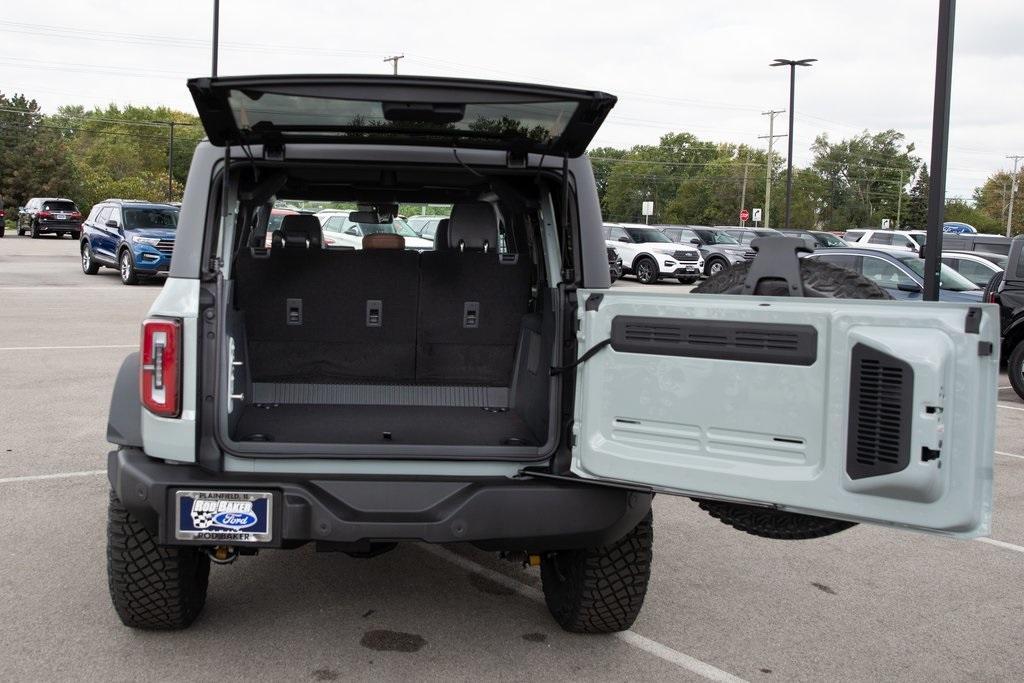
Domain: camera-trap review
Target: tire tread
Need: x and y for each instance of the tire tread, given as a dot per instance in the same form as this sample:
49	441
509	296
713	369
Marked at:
152	587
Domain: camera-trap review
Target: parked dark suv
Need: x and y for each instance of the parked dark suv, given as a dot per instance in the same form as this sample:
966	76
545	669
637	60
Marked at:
49	215
1007	290
136	237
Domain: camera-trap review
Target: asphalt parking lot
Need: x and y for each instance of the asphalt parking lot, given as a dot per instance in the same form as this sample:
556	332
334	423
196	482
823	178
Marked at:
866	604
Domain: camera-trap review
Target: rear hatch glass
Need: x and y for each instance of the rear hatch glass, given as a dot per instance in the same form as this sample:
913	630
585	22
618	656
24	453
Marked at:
59	206
399	110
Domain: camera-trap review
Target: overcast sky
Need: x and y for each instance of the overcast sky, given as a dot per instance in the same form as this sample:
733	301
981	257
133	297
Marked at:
676	64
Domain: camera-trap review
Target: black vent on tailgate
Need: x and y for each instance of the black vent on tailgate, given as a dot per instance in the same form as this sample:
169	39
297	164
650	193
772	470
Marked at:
881	404
723	340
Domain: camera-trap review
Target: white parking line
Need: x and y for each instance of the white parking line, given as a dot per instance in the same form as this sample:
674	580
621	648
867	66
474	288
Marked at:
68	348
1004	388
1001	405
1009	455
59	475
631	638
1001	544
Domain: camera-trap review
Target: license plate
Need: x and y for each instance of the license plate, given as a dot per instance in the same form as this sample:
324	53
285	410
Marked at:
223	516
61	216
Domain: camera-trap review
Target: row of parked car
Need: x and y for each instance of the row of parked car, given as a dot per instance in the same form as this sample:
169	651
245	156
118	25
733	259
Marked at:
891	258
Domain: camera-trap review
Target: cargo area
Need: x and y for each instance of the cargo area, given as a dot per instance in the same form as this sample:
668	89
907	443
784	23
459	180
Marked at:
385	347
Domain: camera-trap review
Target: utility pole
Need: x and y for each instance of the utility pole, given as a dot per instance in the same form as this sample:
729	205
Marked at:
743	192
899	201
1013	191
394	61
170	163
768	173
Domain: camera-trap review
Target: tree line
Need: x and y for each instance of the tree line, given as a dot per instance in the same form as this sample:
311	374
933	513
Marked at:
850	183
91	154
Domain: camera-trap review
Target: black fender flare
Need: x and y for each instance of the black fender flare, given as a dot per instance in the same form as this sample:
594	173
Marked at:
1013	335
124	421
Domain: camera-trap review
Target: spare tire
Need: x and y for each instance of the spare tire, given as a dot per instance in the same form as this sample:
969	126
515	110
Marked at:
820	280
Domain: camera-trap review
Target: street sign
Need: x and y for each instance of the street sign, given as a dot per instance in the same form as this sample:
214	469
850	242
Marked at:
886	223
648	209
744	215
757	215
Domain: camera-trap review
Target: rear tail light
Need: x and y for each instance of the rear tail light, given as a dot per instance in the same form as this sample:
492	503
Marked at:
76	214
44	214
991	298
160	376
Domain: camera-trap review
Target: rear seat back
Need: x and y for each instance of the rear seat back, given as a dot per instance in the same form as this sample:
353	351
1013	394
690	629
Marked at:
330	317
471	305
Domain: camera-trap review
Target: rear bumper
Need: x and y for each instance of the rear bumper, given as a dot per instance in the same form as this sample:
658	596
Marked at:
58	226
494	513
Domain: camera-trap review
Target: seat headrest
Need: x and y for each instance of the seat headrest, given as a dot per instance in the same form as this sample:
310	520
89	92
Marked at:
363	217
472	226
301	229
383	240
441	234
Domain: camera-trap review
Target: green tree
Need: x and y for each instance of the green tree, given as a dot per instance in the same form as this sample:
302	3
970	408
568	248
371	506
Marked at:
34	157
992	200
655	173
916	214
862	177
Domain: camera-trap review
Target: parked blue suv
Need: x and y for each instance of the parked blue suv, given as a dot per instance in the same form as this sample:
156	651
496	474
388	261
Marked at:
136	237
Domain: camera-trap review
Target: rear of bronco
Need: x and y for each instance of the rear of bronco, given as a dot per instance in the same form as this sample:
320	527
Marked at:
494	389
356	398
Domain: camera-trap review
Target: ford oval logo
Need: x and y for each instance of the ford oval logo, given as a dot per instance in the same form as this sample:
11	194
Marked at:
235	520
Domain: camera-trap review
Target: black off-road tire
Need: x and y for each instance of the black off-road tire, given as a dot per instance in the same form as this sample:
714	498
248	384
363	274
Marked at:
600	590
820	280
152	588
35	232
1015	368
769	523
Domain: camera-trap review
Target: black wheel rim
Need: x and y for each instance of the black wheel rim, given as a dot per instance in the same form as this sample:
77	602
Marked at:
643	272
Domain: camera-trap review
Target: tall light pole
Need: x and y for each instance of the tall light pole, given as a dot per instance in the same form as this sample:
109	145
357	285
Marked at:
792	64
216	35
940	147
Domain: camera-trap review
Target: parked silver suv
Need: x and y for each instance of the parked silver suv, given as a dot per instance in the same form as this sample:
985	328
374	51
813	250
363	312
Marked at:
494	389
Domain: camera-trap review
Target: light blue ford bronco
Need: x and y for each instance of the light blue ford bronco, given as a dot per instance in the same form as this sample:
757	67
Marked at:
495	389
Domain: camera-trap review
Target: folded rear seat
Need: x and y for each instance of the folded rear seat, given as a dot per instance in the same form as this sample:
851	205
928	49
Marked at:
471	302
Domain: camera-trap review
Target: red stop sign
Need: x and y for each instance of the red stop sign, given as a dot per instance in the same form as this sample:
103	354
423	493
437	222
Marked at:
744	214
